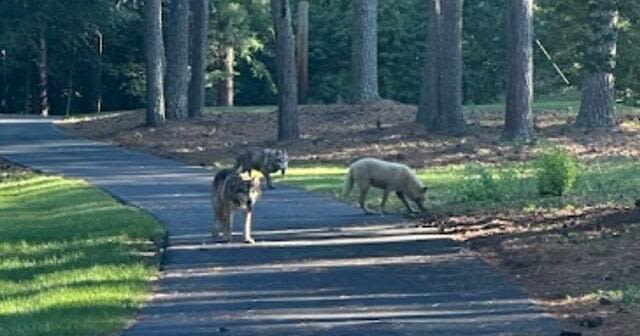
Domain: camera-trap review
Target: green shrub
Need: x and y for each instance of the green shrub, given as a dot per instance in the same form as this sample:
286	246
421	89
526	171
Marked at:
486	184
556	172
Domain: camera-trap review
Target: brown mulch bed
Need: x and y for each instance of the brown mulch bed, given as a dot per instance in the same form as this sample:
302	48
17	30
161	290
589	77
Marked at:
563	258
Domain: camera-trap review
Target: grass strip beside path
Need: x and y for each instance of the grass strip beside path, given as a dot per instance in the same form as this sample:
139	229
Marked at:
73	261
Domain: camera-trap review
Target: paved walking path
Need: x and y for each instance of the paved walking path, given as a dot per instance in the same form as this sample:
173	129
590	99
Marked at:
320	267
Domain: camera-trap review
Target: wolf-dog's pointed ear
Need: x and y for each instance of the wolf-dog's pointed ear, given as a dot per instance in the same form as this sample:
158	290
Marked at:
424	189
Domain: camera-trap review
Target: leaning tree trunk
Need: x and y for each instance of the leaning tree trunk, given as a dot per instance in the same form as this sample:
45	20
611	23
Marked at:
225	86
286	71
451	67
364	53
518	116
302	50
43	86
200	10
154	54
597	105
177	83
5	85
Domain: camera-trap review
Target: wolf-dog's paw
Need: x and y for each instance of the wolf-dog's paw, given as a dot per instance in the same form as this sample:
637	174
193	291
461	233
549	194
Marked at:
249	241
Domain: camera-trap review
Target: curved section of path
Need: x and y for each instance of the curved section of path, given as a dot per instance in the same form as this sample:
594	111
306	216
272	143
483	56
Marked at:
320	267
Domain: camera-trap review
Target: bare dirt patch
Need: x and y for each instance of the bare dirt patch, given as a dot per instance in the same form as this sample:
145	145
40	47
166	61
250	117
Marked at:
572	261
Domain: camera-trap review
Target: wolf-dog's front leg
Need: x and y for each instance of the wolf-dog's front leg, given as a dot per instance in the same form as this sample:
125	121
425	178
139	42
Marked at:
404	200
267	176
247	228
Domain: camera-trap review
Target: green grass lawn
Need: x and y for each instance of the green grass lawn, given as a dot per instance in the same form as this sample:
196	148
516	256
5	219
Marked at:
73	261
613	180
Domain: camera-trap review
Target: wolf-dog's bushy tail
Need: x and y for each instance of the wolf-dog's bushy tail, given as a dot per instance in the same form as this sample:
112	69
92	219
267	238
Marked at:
348	184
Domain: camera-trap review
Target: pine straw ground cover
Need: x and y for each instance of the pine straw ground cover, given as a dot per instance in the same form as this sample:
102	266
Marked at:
73	261
577	254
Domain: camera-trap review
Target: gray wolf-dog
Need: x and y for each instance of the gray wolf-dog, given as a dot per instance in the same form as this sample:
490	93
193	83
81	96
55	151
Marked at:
232	192
388	176
264	160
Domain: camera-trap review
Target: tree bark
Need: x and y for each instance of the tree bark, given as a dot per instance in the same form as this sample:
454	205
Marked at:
154	54
302	48
365	52
200	10
518	115
177	85
70	91
225	86
440	106
286	71
43	74
597	105
451	117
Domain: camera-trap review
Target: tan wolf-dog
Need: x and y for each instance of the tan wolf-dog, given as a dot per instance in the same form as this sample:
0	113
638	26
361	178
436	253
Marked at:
232	192
264	160
388	176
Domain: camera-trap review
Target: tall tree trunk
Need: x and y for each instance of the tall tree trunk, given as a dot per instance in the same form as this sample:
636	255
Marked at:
177	85
200	10
440	106
365	52
597	105
429	105
96	67
286	71
302	48
518	124
225	86
154	53
451	66
43	74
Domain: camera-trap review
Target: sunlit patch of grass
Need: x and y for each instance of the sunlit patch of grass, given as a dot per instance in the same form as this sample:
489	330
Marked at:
70	258
567	107
614	180
239	109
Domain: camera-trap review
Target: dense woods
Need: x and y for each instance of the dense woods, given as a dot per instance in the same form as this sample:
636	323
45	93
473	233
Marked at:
105	37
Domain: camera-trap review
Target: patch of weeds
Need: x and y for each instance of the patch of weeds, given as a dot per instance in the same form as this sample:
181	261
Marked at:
556	172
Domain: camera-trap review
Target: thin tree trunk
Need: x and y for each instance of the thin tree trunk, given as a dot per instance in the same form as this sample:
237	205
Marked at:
518	116
5	85
28	90
286	71
154	48
43	85
177	83
225	86
70	91
302	48
597	105
451	66
429	105
200	10
95	96
365	52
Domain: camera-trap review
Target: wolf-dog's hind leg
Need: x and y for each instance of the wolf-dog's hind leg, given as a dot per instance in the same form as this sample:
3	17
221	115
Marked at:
228	223
403	198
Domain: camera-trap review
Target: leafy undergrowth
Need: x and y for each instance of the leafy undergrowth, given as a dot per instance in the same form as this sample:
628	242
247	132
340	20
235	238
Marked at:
455	189
73	261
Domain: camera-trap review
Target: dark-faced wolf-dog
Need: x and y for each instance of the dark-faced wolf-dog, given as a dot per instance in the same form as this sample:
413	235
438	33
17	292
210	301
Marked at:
232	192
264	160
388	176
